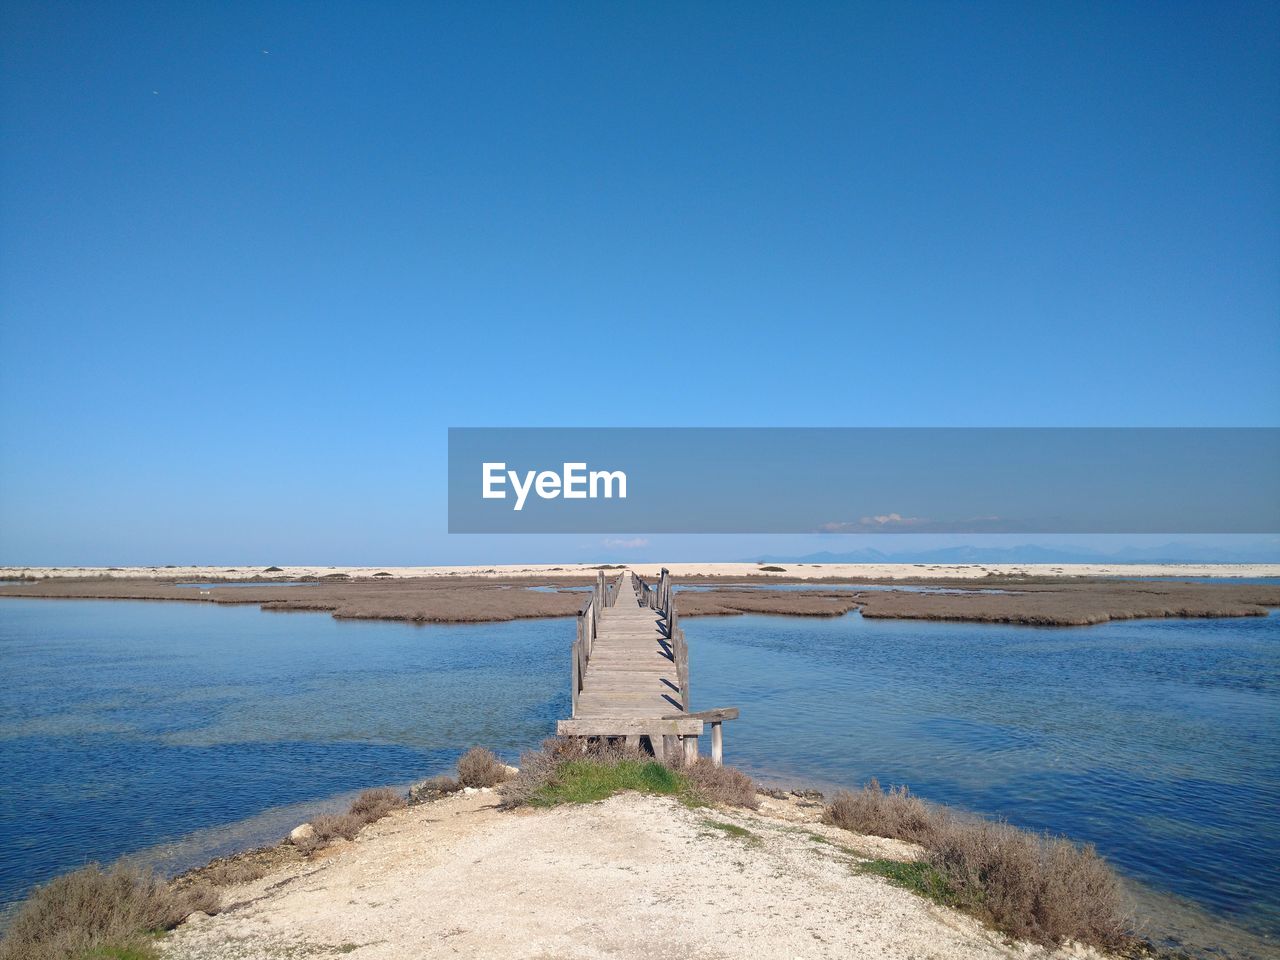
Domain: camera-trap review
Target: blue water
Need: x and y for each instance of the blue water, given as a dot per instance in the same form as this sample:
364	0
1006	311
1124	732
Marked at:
128	724
1157	740
124	725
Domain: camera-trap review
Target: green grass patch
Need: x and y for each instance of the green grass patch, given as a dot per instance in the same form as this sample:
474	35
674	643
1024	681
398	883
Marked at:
819	838
913	875
732	829
586	781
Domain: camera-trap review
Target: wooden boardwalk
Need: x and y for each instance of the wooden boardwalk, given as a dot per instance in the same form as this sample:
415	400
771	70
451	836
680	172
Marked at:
631	671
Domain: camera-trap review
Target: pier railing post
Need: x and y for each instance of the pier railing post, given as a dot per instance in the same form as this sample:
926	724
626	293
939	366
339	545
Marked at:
577	674
680	653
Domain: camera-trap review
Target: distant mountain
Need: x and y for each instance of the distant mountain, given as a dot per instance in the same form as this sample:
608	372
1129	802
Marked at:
1033	553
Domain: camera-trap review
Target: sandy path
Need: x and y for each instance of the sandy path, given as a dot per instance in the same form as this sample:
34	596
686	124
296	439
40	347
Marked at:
632	876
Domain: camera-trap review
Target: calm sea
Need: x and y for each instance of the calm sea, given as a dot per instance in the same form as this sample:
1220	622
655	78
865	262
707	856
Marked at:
186	730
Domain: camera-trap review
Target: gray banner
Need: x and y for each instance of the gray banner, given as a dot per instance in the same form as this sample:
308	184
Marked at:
864	480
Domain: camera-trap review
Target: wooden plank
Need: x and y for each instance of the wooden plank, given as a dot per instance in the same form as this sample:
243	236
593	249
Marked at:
716	715
621	726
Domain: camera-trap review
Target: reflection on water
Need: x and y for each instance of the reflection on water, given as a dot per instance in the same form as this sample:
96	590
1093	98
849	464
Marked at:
194	730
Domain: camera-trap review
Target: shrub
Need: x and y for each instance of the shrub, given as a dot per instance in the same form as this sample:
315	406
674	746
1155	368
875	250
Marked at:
273	570
92	909
1035	887
433	788
536	769
197	898
331	826
373	805
773	569
897	814
720	784
478	767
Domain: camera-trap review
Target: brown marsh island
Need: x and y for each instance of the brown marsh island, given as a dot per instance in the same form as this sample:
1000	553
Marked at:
1029	595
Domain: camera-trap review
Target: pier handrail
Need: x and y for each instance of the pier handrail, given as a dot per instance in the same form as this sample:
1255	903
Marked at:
603	596
661	597
664	731
654	596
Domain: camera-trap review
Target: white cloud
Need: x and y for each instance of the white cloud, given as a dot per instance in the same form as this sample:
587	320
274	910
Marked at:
635	543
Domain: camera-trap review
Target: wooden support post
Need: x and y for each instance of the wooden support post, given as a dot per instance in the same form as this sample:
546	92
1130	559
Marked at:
670	744
690	749
717	744
657	743
633	741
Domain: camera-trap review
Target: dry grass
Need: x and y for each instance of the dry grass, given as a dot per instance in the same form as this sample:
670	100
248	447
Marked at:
1039	888
537	767
433	788
897	813
479	767
373	805
334	826
1035	887
715	784
91	909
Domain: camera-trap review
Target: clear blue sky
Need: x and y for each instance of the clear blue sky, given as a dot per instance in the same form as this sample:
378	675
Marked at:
256	258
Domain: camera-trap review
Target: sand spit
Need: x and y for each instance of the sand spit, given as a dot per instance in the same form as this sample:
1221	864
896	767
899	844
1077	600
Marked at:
1047	601
629	877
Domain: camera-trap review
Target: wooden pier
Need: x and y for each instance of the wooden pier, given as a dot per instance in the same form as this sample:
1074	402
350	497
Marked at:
630	671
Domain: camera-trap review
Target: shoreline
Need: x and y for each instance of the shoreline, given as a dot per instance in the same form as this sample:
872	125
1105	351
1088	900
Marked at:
783	857
287	895
861	572
489	597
